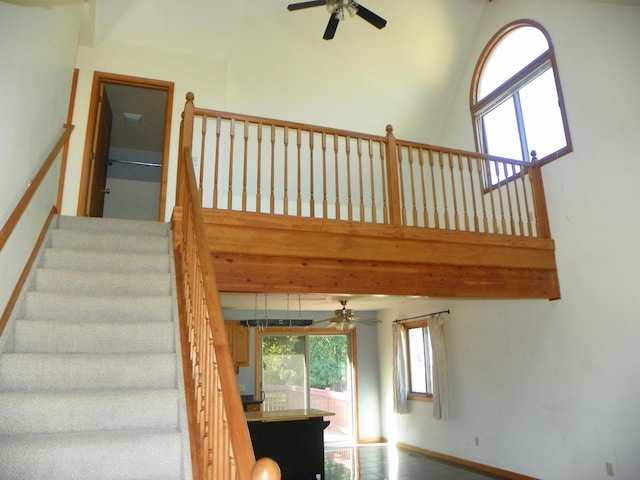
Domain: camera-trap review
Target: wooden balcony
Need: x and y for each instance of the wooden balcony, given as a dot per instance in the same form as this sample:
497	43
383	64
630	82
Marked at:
296	208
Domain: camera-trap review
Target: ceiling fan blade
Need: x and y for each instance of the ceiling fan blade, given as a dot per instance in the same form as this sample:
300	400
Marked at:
370	17
301	5
330	31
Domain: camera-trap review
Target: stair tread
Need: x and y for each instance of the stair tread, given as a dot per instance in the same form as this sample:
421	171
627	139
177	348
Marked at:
75	259
115	242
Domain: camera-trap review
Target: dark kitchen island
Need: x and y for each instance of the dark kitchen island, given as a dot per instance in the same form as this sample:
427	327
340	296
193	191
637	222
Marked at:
293	438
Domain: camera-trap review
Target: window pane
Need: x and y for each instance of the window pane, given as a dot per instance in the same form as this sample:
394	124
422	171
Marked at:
514	52
542	117
284	372
417	365
501	135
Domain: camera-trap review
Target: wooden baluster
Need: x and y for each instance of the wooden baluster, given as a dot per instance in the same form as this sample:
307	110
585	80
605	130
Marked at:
464	193
374	216
503	221
386	215
259	171
216	163
273	161
403	209
325	213
347	143
286	172
423	188
337	176
444	191
312	200
491	189
454	194
436	214
508	175
414	206
202	152
474	201
299	174
523	174
359	145
515	177
232	135
245	173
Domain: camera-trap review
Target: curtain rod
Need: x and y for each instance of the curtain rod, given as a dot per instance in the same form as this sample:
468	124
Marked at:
421	316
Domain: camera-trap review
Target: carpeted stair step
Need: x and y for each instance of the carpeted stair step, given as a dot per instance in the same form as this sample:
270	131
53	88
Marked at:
126	455
46	411
112	225
111	242
90	260
44	371
103	283
90	308
46	336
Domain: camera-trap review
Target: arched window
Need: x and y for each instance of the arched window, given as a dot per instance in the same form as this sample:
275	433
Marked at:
516	101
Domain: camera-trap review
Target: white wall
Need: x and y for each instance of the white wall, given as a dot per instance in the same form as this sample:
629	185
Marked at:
37	48
552	388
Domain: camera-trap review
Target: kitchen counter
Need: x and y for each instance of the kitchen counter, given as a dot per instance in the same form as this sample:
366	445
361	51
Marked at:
286	415
293	438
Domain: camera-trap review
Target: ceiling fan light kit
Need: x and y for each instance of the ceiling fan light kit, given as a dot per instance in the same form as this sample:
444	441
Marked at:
336	9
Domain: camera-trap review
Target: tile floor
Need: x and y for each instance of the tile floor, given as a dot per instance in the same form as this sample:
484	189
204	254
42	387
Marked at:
384	462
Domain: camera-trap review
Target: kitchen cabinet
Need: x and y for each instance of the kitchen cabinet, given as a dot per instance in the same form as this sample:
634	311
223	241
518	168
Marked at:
238	336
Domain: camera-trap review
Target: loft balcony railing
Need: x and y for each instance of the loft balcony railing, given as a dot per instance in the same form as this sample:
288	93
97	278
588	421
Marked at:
252	164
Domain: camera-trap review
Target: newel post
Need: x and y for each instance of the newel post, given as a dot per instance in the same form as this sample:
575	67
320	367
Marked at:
265	469
539	199
186	141
393	186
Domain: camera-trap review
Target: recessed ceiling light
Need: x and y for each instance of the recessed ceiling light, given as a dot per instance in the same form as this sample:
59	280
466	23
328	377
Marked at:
133	118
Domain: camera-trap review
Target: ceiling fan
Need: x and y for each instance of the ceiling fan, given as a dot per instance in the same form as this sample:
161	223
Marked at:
336	9
344	319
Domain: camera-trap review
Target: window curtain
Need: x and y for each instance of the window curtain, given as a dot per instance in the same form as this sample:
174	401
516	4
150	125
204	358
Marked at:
440	382
400	368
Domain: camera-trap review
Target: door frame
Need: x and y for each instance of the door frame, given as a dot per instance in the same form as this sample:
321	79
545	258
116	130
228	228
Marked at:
100	78
351	334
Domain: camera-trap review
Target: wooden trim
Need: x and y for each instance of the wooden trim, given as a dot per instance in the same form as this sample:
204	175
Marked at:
466	463
98	79
65	149
4	319
29	193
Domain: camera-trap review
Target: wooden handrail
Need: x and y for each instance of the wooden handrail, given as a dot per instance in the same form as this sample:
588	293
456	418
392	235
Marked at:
29	193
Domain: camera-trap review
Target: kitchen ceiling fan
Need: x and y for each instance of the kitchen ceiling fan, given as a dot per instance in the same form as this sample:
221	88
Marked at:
336	9
344	319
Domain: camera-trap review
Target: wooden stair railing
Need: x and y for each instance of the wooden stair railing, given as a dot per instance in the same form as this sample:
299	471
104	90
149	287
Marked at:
19	210
221	446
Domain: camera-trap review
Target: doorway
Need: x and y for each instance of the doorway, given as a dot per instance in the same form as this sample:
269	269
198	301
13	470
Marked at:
306	369
124	172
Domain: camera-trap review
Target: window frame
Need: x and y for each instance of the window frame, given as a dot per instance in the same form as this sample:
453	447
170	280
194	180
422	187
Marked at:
511	88
411	395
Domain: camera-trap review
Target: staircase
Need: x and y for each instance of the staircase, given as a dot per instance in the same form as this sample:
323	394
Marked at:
90	374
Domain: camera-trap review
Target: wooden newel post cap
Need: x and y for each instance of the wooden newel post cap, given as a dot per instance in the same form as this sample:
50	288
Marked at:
265	469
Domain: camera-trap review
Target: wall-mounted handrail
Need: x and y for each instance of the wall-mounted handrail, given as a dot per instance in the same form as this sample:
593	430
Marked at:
32	187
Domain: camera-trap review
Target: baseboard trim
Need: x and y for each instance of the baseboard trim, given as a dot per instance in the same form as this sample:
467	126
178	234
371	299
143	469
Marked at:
467	463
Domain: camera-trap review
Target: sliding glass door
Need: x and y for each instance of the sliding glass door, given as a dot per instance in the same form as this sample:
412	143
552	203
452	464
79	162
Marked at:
303	369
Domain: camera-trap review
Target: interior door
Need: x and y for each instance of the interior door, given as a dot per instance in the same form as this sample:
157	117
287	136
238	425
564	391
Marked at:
100	157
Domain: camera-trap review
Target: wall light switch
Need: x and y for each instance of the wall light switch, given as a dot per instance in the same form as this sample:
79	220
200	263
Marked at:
241	387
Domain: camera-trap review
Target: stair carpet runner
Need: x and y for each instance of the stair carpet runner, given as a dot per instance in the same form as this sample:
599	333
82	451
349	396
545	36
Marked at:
90	373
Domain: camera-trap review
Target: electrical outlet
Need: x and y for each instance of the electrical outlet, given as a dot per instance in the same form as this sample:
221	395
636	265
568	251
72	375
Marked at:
241	387
609	468
477	441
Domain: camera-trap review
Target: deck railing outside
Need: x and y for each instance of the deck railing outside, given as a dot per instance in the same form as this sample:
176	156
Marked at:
253	164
